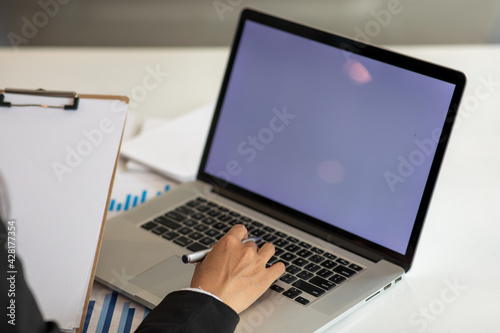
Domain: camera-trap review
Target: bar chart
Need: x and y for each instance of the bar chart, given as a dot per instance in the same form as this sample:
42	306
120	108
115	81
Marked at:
109	311
132	200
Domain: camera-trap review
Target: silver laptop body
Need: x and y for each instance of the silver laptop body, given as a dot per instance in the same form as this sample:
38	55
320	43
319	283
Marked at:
327	147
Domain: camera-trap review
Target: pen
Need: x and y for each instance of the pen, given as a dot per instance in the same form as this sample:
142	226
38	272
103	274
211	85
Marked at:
200	255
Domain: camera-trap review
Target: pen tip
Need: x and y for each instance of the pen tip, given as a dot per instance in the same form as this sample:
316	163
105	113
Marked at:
185	259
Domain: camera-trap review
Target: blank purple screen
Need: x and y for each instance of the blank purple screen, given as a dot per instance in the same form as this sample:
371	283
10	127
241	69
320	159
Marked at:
340	137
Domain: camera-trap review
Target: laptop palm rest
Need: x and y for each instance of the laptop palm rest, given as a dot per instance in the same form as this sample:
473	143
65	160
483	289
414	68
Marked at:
165	277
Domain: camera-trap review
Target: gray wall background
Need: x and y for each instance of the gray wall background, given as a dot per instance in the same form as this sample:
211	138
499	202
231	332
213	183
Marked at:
212	22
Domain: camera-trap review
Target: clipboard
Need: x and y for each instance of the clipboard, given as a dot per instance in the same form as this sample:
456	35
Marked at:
58	156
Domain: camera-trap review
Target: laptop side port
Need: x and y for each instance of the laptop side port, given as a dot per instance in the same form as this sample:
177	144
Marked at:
388	286
398	279
369	298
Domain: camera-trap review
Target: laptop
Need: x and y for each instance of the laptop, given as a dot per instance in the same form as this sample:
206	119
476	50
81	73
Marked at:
328	148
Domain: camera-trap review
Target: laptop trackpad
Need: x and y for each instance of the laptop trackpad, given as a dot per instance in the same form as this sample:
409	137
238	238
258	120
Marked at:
167	276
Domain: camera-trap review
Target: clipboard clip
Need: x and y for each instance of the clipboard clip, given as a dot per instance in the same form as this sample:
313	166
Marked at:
43	93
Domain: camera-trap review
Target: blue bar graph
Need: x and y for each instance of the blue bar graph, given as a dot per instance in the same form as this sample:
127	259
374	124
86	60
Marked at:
132	200
111	308
90	308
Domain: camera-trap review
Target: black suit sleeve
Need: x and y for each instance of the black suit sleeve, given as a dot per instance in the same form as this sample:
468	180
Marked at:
189	312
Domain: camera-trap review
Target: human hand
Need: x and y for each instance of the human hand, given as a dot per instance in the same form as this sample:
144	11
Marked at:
236	272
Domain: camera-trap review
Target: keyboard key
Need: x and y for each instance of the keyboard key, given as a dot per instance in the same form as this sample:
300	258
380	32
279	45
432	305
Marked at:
225	218
281	243
269	238
223	209
183	241
184	230
304	253
272	260
202	208
277	288
316	259
338	279
149	225
197	216
292	239
300	262
219	226
316	250
302	300
200	227
312	267
292	247
212	204
288	256
344	271
343	262
184	210
196	235
207	241
328	264
305	245
258	232
356	267
212	233
175	216
196	247
213	213
324	273
234	222
246	219
234	214
159	230
278	252
280	234
201	199
305	275
288	278
308	288
168	223
293	269
170	235
192	203
322	283
292	293
190	223
330	256
209	220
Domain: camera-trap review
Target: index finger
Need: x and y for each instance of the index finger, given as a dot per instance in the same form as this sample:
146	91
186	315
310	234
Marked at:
239	231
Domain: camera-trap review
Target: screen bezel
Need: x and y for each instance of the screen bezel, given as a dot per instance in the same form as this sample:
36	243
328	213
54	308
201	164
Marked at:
302	221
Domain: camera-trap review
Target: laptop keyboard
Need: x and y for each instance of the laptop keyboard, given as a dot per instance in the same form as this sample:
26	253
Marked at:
310	271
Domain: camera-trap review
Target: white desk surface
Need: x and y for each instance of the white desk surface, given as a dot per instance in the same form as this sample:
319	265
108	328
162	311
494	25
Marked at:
454	284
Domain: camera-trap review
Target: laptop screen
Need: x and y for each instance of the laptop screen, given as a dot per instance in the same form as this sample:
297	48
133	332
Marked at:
338	136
